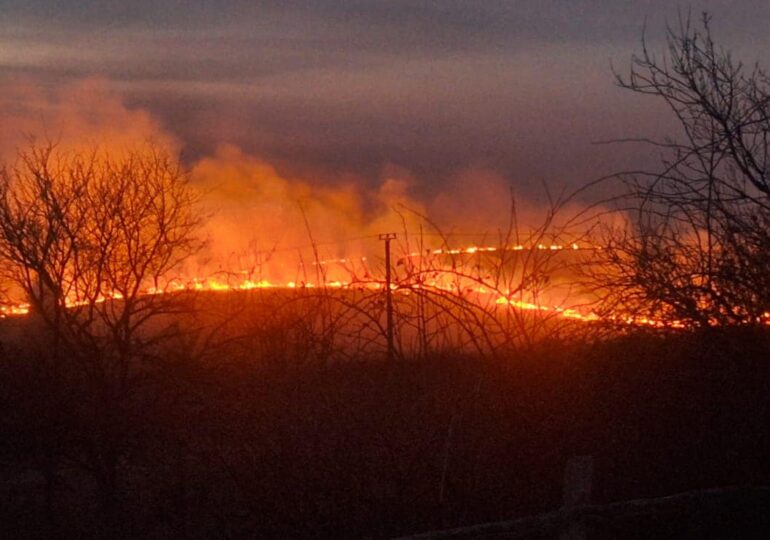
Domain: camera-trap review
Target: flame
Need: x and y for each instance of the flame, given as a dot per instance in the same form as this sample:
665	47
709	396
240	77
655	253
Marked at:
244	282
567	313
14	310
218	284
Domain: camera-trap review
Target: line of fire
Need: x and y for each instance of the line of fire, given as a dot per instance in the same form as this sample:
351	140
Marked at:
273	271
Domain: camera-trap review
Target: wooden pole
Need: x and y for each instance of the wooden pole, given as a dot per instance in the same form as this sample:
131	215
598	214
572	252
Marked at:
387	237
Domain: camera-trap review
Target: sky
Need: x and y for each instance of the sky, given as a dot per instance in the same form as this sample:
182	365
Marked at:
357	91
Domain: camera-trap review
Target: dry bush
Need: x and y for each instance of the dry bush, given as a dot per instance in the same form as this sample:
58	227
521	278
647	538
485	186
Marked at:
82	236
697	247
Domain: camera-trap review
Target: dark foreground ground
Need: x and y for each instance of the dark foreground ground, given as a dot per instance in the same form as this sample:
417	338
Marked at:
272	449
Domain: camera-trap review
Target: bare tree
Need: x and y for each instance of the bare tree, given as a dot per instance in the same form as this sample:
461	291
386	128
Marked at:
698	247
84	236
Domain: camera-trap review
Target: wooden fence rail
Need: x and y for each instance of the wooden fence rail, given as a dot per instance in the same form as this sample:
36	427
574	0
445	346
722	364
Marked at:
570	520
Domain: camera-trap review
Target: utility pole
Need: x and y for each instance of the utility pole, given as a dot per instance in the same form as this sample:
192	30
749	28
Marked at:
387	237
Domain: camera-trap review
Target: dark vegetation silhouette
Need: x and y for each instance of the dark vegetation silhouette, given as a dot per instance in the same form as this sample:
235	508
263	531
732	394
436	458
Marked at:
77	230
272	413
697	248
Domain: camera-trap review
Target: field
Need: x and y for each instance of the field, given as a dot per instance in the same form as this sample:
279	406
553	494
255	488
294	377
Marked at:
265	418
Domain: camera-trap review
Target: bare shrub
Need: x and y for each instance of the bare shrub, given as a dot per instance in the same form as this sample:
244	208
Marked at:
83	235
696	249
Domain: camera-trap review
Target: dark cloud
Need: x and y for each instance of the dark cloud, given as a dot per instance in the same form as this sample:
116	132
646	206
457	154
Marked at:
522	88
